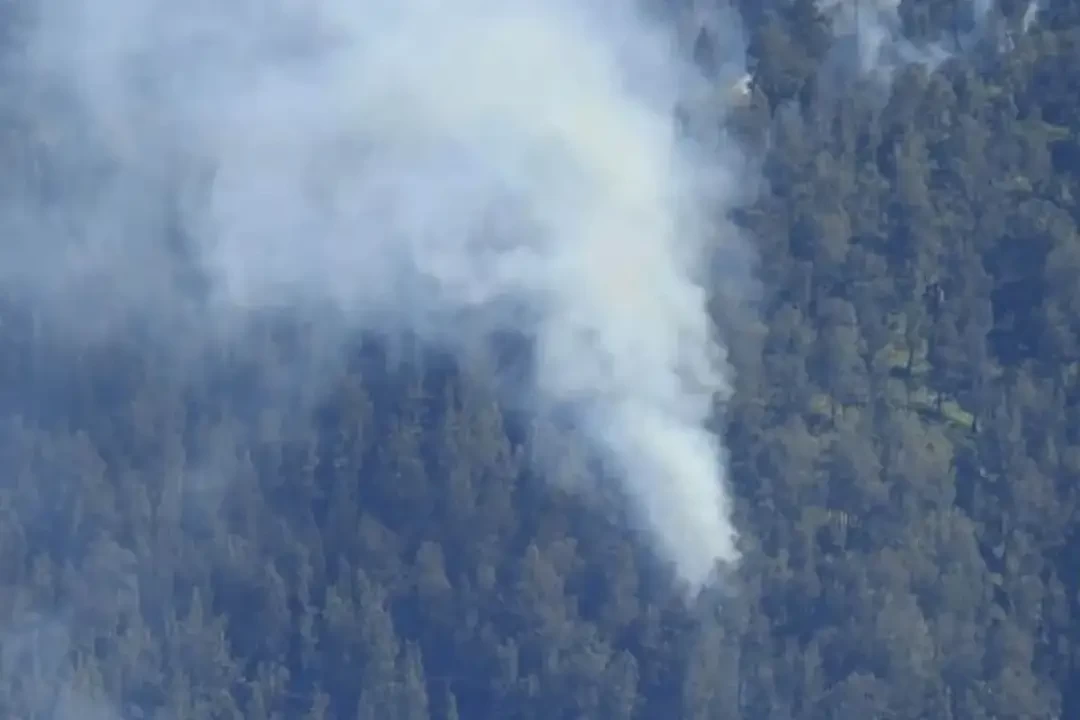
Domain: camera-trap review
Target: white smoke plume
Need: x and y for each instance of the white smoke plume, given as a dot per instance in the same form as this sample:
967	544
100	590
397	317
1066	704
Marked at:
453	169
1031	15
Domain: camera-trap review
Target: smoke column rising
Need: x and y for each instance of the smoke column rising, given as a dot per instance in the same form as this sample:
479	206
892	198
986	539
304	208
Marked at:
448	168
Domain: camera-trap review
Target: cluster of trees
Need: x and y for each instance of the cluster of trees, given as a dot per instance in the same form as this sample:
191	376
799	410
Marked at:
905	442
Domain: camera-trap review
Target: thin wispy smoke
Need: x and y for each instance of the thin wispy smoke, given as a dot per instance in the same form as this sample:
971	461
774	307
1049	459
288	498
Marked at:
452	169
881	48
875	27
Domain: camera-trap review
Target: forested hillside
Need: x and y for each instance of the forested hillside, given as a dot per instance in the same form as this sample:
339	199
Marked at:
904	438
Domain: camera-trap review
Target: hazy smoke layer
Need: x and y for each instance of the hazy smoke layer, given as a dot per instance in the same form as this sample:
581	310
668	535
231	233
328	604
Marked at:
34	658
453	168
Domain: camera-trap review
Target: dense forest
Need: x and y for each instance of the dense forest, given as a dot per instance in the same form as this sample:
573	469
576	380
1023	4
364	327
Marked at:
904	439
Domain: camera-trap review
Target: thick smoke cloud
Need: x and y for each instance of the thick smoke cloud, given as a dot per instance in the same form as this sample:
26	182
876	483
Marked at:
452	169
